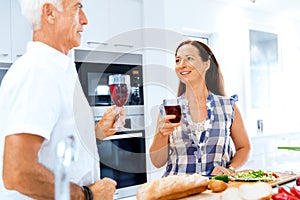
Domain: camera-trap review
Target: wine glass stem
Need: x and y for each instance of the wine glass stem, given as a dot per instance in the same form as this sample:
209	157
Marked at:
118	121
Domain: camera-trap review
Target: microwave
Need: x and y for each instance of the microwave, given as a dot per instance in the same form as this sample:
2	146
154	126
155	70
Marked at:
94	68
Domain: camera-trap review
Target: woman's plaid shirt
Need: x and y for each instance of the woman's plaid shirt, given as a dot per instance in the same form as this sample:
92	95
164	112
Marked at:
199	147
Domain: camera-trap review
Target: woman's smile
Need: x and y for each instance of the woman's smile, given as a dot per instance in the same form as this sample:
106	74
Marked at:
183	73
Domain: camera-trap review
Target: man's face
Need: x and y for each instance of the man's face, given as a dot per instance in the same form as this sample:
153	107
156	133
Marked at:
70	23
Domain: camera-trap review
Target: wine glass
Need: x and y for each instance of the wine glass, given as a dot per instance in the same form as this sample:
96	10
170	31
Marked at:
119	87
173	107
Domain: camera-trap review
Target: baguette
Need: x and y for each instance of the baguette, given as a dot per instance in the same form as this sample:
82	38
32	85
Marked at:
173	187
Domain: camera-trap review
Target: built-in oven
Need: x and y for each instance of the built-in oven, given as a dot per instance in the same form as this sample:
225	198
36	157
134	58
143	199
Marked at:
123	155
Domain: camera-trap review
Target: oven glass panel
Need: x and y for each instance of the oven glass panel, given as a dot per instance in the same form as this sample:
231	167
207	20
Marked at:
2	74
123	160
3	69
94	81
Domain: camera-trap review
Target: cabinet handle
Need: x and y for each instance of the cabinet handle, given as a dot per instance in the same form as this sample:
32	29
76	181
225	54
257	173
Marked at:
123	45
4	54
19	55
98	43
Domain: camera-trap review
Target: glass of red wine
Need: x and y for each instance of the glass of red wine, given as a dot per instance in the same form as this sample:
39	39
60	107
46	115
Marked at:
119	87
173	107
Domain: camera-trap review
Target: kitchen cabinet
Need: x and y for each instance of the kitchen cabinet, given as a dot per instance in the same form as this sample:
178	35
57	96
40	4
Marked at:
108	19
97	29
21	31
5	51
15	32
124	15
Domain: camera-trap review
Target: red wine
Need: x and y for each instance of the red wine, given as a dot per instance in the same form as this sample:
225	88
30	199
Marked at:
174	110
119	93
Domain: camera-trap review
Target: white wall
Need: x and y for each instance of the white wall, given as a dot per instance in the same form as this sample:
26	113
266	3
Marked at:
230	26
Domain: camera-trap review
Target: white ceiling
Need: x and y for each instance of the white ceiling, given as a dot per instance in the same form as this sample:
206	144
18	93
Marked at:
288	8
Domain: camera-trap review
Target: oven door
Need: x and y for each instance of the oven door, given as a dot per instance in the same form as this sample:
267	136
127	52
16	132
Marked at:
123	158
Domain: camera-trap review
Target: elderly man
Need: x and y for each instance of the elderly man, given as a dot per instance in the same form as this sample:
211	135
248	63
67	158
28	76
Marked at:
42	103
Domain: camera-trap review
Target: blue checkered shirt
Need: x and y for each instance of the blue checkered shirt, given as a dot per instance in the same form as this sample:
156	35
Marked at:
199	147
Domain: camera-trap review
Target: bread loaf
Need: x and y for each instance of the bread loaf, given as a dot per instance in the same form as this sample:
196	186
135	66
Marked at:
173	187
257	191
248	191
217	185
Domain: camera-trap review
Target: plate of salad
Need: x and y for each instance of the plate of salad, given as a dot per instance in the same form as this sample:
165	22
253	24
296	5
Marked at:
254	175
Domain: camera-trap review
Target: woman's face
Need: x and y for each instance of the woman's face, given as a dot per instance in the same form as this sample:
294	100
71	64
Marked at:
189	66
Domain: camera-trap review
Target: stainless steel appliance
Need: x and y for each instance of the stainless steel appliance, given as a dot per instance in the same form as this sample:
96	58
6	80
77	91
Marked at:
123	155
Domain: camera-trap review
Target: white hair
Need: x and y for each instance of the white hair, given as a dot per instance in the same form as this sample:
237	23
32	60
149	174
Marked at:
31	9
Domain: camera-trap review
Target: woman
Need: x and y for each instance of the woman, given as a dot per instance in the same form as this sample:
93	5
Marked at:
202	141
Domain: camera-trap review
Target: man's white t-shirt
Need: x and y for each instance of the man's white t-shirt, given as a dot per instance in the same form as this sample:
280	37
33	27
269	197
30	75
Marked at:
41	95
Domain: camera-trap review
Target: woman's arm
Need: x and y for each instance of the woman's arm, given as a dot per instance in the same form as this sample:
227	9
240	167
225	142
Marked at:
240	139
242	145
159	148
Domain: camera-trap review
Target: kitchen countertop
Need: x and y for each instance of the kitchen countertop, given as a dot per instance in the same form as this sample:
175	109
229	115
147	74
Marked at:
208	195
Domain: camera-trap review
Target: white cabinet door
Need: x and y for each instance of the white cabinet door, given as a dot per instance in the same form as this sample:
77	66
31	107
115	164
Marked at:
5	48
21	31
124	15
97	29
108	19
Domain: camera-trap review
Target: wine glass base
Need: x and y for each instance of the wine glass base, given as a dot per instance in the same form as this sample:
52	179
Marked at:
120	129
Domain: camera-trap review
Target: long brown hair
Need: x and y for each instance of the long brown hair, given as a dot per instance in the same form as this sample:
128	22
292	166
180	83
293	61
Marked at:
213	78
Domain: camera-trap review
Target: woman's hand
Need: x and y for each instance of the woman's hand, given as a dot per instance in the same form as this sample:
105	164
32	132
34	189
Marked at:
164	126
104	127
159	150
218	170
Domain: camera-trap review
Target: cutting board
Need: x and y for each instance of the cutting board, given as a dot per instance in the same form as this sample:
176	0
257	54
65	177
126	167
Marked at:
284	178
209	195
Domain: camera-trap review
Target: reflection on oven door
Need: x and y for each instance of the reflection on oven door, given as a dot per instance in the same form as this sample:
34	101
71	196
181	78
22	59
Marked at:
123	159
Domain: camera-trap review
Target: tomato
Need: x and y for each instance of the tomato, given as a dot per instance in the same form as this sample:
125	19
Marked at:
298	181
275	175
